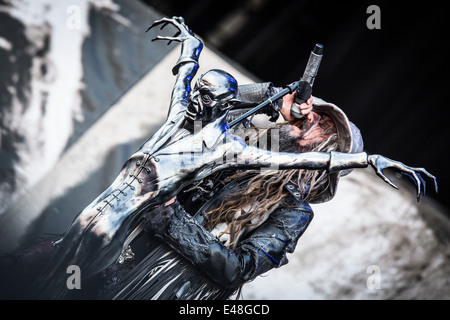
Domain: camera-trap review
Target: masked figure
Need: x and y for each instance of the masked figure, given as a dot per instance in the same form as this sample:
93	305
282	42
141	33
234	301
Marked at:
235	225
193	144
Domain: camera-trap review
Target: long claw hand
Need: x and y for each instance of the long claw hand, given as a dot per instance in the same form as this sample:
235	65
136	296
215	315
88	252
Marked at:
165	21
182	34
379	163
157	22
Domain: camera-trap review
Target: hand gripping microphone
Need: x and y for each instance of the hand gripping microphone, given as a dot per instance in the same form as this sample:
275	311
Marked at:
304	90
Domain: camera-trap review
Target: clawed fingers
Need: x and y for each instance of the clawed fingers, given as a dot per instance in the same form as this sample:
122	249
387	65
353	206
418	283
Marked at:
417	179
386	179
431	177
178	22
418	184
163	21
416	175
380	163
170	39
424	184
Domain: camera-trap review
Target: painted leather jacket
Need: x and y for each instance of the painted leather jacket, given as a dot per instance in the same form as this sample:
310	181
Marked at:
259	250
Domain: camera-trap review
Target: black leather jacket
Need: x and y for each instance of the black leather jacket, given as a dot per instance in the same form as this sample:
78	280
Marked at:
259	251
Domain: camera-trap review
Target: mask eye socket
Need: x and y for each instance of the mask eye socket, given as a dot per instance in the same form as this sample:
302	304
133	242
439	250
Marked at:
197	84
206	99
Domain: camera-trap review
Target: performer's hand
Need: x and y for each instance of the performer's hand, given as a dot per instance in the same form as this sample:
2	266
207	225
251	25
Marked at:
288	100
191	46
379	163
183	33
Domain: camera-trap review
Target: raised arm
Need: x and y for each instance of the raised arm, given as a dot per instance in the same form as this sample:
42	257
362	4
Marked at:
187	65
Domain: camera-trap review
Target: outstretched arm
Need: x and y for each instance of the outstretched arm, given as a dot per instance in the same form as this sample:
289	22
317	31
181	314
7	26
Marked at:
249	157
187	65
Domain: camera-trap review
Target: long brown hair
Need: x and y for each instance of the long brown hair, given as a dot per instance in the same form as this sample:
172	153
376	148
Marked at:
261	192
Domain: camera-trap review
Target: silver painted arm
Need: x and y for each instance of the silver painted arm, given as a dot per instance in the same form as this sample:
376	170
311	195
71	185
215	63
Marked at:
337	161
241	156
187	65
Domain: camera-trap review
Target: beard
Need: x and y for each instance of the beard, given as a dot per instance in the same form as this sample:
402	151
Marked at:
290	143
279	138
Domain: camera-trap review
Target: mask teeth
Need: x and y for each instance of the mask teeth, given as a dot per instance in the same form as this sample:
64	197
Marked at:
190	114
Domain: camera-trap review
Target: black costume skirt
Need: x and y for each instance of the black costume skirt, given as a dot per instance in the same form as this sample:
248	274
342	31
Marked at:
165	275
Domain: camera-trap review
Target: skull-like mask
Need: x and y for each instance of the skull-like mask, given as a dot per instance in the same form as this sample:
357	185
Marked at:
213	93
